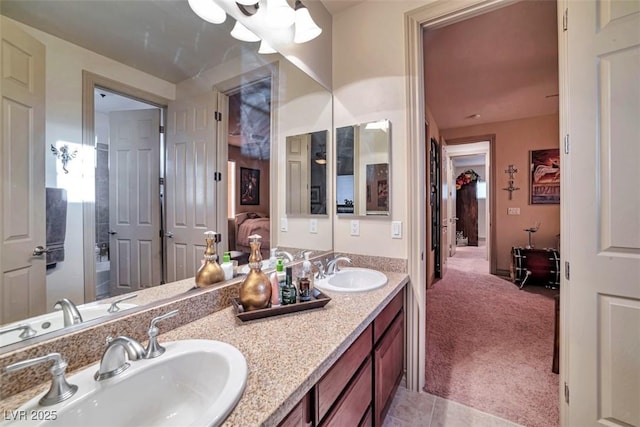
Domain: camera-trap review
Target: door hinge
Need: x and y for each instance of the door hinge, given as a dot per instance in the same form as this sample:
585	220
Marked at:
161	129
161	181
565	20
566	144
217	116
566	393
422	256
161	234
566	270
217	176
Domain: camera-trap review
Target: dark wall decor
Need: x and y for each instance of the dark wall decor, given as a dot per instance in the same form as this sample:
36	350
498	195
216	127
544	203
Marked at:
249	186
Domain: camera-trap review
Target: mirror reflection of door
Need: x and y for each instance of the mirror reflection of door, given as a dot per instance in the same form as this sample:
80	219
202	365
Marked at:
298	174
127	187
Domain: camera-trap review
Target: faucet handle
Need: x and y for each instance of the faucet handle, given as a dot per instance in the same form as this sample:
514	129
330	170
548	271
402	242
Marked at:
113	308
154	349
320	265
60	389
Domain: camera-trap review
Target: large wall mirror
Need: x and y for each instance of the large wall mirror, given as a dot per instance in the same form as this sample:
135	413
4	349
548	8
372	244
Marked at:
307	173
168	61
363	162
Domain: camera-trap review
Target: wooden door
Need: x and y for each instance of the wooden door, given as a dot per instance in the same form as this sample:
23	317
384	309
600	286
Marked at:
22	167
601	205
134	200
190	185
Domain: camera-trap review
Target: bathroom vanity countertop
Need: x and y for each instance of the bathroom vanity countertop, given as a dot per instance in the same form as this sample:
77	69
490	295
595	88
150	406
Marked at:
288	354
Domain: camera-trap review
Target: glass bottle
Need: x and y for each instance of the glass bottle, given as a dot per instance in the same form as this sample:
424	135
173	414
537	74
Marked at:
255	290
210	271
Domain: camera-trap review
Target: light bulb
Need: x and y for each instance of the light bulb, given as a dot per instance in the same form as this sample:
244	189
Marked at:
306	29
208	10
240	32
279	14
247	2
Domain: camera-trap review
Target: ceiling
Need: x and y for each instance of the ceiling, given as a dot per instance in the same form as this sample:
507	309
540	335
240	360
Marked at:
502	65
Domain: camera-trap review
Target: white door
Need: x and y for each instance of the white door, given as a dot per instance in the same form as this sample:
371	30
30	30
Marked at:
134	200
298	170
453	218
444	208
191	187
22	189
602	219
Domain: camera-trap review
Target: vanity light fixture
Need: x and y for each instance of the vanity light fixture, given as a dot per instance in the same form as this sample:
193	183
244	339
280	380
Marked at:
306	29
279	15
240	32
208	10
265	48
321	158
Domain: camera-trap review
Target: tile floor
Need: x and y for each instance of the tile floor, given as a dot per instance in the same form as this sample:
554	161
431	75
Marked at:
412	409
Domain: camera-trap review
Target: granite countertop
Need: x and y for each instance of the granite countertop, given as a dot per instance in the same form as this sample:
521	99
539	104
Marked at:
286	355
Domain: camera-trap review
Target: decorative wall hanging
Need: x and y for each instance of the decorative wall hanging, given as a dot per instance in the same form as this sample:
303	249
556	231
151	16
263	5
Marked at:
511	187
249	186
466	177
63	154
545	176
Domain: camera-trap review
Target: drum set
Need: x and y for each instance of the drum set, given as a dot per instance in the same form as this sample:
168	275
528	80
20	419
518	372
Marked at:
535	265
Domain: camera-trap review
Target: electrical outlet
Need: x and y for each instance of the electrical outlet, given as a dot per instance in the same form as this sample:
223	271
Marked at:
355	227
313	226
513	211
396	229
284	224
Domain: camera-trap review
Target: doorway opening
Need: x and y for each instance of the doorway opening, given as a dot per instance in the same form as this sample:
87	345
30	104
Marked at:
123	223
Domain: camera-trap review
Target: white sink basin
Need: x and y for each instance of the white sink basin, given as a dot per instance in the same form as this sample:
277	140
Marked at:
194	383
53	321
353	279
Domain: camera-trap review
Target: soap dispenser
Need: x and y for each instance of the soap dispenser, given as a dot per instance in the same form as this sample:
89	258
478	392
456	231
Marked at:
255	290
210	272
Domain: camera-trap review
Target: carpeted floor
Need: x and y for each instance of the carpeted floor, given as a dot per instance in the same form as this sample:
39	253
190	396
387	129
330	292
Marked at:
490	344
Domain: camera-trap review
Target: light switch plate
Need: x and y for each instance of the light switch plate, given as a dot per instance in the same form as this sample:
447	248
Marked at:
355	227
313	226
396	229
513	211
284	224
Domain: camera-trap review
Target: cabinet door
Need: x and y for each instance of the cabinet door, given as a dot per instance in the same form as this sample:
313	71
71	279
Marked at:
300	415
388	360
351	408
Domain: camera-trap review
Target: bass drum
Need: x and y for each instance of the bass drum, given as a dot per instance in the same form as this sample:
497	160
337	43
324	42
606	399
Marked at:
541	266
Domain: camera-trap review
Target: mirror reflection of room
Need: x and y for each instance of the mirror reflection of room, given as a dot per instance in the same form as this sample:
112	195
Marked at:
307	174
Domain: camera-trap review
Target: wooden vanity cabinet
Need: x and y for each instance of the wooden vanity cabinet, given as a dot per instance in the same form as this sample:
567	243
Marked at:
360	386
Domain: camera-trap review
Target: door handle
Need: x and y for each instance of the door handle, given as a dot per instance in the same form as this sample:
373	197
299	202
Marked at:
40	250
168	235
113	232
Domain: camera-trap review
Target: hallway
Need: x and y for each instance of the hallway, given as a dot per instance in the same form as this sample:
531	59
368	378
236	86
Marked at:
490	344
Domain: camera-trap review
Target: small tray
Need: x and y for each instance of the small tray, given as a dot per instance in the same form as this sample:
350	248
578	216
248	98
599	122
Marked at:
318	299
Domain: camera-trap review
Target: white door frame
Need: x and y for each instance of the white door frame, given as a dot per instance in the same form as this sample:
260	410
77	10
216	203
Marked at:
433	15
89	82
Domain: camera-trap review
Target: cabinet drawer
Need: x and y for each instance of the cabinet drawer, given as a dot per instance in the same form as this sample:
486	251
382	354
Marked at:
384	319
367	421
300	415
351	407
331	385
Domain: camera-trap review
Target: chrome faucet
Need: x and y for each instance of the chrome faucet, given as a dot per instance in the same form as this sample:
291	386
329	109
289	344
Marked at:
320	274
332	266
153	348
286	254
113	308
27	331
70	312
60	389
114	359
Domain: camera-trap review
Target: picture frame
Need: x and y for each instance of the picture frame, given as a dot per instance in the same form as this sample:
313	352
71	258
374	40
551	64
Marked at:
544	176
249	186
377	188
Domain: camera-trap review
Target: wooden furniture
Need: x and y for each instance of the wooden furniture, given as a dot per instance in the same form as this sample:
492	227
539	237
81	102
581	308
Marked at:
359	387
541	266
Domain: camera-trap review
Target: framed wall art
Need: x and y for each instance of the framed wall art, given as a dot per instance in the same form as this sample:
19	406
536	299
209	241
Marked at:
249	186
544	176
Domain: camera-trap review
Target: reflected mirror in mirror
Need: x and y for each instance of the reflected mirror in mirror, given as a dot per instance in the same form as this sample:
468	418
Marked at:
307	174
363	158
149	47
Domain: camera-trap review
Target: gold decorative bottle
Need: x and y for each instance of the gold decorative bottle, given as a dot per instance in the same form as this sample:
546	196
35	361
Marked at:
255	291
210	272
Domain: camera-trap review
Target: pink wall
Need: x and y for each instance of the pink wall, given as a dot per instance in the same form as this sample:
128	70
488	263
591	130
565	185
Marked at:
514	140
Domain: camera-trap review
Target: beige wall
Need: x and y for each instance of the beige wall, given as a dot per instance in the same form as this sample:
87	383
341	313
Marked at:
514	139
369	83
